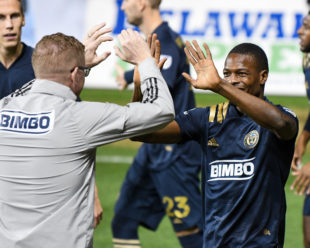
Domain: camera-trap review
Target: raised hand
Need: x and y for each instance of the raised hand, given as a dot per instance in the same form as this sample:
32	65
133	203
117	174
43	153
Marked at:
302	181
296	161
95	36
154	46
134	48
207	75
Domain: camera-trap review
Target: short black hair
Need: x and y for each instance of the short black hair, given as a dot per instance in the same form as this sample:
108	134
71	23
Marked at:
255	51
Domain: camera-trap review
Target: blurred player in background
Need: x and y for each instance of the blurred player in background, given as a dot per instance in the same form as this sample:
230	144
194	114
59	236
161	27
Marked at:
248	146
15	60
15	56
163	178
49	140
303	139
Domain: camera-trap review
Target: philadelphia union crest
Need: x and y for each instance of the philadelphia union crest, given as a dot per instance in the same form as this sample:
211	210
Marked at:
251	139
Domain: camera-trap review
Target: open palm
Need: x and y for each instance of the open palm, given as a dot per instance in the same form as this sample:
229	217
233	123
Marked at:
207	75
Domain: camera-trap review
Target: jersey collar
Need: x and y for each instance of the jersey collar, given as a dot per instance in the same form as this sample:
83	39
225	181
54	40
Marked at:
52	88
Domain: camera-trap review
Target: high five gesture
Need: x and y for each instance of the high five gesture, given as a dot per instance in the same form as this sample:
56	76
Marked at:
207	75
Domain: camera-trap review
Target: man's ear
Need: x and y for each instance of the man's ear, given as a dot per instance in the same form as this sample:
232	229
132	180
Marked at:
263	75
73	79
23	21
143	4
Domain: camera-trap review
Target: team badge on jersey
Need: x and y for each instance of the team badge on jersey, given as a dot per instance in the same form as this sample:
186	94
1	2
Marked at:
251	139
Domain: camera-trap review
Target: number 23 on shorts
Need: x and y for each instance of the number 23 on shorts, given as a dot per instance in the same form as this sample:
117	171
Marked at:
177	207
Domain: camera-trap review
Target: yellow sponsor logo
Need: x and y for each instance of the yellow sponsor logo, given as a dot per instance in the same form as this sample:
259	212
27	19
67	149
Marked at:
267	232
212	142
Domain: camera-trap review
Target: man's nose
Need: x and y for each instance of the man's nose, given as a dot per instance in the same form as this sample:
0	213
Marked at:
8	23
300	30
233	79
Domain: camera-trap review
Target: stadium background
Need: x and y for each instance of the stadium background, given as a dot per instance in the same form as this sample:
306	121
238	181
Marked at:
221	23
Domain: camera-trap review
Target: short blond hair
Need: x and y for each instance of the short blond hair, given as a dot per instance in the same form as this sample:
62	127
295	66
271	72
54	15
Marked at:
57	53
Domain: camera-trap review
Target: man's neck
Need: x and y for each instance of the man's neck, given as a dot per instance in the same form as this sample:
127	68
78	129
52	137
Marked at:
151	21
8	56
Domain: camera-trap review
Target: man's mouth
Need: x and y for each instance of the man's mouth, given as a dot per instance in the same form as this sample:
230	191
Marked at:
10	36
239	86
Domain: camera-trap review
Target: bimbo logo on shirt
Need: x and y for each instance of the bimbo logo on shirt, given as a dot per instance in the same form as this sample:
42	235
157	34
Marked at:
221	170
29	123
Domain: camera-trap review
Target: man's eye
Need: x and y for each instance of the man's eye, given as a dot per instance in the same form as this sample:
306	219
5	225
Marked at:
242	74
15	16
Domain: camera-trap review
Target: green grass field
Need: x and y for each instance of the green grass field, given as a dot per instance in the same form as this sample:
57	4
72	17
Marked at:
114	160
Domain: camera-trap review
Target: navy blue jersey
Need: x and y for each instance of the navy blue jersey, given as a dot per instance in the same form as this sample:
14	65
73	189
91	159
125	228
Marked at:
172	48
19	73
306	69
245	167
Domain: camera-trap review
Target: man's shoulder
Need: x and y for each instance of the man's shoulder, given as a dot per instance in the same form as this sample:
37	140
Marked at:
24	59
27	49
166	35
24	90
306	61
196	113
282	108
217	113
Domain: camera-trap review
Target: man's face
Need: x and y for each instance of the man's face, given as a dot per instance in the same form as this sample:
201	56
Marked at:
241	71
11	22
304	34
132	9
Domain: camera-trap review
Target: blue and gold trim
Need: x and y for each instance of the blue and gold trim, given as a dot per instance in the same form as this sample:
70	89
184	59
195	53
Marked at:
126	243
219	111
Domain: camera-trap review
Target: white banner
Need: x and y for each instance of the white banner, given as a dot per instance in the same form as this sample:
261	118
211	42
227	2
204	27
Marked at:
222	24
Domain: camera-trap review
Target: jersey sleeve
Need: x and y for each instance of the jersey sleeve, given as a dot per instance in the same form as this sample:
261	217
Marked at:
102	123
129	76
193	124
290	113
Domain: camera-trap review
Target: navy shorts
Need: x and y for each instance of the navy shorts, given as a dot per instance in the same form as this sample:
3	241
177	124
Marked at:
147	195
306	211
